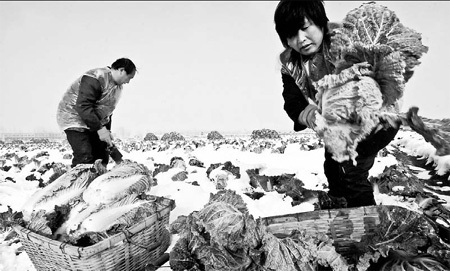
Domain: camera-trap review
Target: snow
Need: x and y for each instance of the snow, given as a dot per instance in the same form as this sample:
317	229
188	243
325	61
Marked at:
415	145
306	165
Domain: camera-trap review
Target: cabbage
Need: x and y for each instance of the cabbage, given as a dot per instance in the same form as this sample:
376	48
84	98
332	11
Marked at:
407	232
374	56
350	102
373	33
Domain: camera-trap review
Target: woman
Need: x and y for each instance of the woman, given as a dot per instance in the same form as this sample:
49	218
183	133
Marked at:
303	29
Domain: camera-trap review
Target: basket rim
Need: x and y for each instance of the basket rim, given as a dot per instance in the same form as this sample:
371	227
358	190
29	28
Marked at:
301	216
79	252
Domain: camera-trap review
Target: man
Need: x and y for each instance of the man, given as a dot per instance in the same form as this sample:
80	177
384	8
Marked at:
85	111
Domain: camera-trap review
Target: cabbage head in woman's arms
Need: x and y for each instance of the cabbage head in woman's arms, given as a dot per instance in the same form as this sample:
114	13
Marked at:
374	56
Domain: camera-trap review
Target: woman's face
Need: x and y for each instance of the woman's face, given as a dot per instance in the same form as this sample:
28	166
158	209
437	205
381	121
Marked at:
308	39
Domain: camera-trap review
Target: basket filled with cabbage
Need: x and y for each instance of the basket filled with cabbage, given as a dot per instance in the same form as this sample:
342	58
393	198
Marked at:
90	218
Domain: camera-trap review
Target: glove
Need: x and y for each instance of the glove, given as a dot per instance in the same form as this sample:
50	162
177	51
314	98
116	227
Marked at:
308	116
105	135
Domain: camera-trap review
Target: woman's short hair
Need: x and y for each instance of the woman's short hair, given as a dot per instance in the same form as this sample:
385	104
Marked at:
124	63
290	17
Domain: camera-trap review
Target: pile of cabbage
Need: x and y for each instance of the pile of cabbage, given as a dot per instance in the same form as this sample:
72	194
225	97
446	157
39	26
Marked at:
374	56
172	136
224	236
265	134
214	135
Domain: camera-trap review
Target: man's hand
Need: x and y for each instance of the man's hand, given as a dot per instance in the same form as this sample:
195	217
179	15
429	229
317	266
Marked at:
105	135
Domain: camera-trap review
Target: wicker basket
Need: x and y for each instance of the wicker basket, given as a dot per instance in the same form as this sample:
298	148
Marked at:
346	226
141	245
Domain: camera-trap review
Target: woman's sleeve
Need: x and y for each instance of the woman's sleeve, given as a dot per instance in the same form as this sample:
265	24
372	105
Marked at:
294	101
89	94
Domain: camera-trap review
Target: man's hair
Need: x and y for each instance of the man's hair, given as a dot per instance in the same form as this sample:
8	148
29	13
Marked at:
290	17
124	63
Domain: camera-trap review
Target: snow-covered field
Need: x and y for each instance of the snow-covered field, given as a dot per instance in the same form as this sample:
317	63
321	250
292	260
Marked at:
293	154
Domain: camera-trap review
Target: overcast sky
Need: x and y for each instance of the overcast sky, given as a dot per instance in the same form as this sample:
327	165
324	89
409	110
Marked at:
202	66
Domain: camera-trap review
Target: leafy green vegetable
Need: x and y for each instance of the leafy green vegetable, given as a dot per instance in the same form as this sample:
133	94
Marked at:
10	217
373	33
350	110
301	252
370	44
230	197
401	231
221	237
